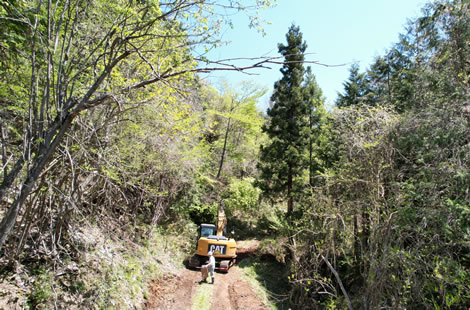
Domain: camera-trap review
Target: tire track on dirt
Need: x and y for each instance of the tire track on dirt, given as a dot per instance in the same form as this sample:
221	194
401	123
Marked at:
235	293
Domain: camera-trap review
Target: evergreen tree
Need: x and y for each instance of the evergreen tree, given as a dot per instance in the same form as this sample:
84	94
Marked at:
284	159
379	76
313	96
356	89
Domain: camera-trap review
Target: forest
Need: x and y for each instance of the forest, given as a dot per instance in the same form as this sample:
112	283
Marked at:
114	149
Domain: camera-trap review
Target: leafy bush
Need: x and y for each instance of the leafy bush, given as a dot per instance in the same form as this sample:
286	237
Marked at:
242	197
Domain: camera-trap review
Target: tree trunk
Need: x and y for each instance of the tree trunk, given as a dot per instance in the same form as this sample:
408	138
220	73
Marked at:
224	148
310	142
365	228
333	270
3	133
45	153
290	199
357	242
11	177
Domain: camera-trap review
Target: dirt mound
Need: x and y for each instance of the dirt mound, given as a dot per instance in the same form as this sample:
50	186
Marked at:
247	247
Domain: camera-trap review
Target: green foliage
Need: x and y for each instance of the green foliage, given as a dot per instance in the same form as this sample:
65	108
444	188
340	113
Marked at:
431	204
43	288
263	276
205	213
202	298
242	197
313	95
198	202
390	206
356	89
274	247
462	226
429	63
234	129
244	208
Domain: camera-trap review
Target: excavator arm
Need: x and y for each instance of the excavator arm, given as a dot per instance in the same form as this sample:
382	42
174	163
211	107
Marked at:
221	219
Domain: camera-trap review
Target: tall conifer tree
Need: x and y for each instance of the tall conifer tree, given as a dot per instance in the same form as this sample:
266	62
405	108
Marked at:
284	159
356	89
313	96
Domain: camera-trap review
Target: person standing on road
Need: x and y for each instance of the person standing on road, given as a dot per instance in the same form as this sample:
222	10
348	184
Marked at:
209	268
211	265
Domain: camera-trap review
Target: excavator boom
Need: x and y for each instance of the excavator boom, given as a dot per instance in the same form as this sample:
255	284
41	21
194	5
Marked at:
221	220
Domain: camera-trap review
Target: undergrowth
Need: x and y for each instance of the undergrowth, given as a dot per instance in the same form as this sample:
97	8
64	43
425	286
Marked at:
110	273
267	278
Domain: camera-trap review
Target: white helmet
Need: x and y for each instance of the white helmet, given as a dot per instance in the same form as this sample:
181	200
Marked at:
210	253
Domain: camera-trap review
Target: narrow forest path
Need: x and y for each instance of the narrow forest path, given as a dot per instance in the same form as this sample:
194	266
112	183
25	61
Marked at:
181	291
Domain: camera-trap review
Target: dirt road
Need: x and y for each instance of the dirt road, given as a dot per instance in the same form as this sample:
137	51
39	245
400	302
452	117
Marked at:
230	292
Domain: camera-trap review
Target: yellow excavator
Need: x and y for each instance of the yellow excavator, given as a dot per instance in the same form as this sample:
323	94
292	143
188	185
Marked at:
211	239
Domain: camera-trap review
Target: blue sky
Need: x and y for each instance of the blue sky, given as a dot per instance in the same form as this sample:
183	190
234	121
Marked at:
336	32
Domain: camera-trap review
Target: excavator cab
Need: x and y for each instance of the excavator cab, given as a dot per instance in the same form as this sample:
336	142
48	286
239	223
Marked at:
206	230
